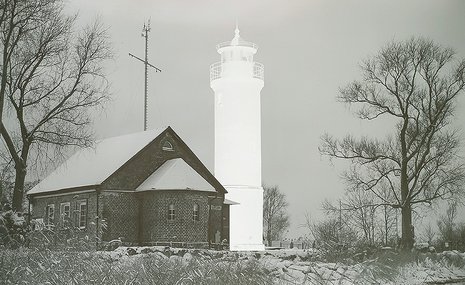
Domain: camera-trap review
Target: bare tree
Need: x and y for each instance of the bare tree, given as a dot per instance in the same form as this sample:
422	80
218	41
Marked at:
447	223
429	234
275	216
360	214
331	233
416	84
51	76
389	225
373	223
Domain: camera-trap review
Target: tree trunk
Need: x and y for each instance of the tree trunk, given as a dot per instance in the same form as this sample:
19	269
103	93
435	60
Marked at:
385	226
268	235
18	192
406	212
407	227
407	233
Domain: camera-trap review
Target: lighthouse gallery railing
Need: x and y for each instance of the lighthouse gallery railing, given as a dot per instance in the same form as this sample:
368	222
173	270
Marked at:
216	70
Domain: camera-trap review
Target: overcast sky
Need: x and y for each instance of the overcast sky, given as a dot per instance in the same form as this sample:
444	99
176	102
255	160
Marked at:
309	48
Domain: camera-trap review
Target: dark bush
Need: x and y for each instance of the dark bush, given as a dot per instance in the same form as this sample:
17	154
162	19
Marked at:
13	229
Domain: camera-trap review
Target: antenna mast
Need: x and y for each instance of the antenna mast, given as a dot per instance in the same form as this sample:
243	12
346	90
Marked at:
145	34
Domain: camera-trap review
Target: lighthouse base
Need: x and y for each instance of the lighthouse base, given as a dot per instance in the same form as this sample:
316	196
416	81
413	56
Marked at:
246	218
247	247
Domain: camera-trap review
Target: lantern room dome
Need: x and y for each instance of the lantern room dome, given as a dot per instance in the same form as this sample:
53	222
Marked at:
236	41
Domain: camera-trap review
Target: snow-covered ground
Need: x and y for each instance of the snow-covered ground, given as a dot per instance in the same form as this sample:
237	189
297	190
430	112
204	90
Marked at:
305	267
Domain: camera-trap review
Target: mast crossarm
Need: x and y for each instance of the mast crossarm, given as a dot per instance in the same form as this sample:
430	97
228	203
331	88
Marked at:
149	64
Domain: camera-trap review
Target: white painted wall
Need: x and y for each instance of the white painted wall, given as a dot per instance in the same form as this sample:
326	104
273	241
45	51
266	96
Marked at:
238	143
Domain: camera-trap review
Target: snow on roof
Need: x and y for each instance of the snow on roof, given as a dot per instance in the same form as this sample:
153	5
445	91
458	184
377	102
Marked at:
230	202
91	166
175	174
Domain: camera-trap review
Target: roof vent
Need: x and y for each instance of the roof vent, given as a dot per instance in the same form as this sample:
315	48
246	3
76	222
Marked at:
167	146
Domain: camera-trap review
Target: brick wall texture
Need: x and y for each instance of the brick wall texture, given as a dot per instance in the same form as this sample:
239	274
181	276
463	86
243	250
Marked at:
141	217
121	215
156	226
39	211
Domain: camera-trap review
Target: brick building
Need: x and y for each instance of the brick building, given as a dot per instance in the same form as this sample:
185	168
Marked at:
144	188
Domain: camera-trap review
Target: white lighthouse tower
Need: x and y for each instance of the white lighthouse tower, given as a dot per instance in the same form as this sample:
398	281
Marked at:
237	81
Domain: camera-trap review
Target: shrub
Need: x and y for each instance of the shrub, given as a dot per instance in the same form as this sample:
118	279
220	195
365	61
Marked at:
13	229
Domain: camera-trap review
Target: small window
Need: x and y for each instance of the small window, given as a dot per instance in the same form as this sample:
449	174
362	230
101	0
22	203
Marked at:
195	213
171	212
50	214
167	146
82	207
65	213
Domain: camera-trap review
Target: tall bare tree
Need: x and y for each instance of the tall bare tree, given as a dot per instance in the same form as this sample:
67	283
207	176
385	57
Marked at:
447	223
416	84
389	225
357	212
333	232
51	76
429	234
373	223
275	216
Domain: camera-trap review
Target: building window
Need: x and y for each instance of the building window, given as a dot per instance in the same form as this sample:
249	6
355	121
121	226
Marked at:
50	215
171	213
82	218
65	213
167	146
195	213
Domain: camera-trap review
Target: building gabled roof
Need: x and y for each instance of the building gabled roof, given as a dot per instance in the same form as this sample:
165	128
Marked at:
175	174
91	166
110	164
